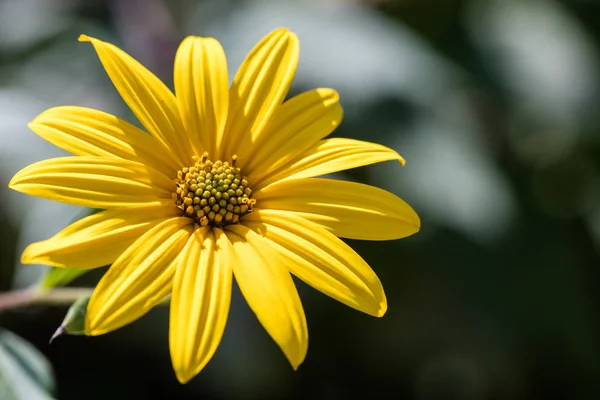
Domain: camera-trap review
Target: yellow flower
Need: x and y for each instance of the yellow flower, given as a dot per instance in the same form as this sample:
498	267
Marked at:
223	186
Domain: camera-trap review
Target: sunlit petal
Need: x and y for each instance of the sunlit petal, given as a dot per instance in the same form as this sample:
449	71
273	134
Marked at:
201	87
297	125
139	279
97	182
322	260
150	100
96	240
350	210
270	292
200	301
258	89
88	132
331	155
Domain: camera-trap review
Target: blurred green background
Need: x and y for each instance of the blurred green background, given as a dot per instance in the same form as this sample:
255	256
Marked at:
493	103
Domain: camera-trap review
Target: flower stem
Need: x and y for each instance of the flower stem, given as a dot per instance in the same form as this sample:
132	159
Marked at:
34	297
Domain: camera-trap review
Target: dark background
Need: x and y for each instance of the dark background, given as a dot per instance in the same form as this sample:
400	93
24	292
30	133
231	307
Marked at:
494	104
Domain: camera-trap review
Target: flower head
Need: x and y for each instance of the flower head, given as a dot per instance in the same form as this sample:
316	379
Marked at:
224	185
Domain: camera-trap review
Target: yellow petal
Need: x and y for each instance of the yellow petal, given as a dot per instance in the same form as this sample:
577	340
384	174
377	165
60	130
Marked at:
150	100
297	125
87	132
96	240
322	260
328	156
97	182
258	89
200	301
270	292
139	279
349	210
201	87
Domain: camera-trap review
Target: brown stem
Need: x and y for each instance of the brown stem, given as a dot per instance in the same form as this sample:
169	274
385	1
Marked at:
34	297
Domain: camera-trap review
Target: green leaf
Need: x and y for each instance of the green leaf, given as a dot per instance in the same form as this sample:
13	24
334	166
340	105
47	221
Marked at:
60	277
25	374
74	322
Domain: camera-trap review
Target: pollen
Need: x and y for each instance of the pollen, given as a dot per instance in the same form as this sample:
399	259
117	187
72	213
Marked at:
213	193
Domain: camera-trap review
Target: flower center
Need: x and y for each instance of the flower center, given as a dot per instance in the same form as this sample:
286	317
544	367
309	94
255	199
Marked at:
213	193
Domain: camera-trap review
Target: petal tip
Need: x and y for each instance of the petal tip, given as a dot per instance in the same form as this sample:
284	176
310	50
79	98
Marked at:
296	363
183	376
282	30
328	93
291	35
382	309
190	40
42	117
286	34
84	38
29	255
416	221
12	184
296	357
